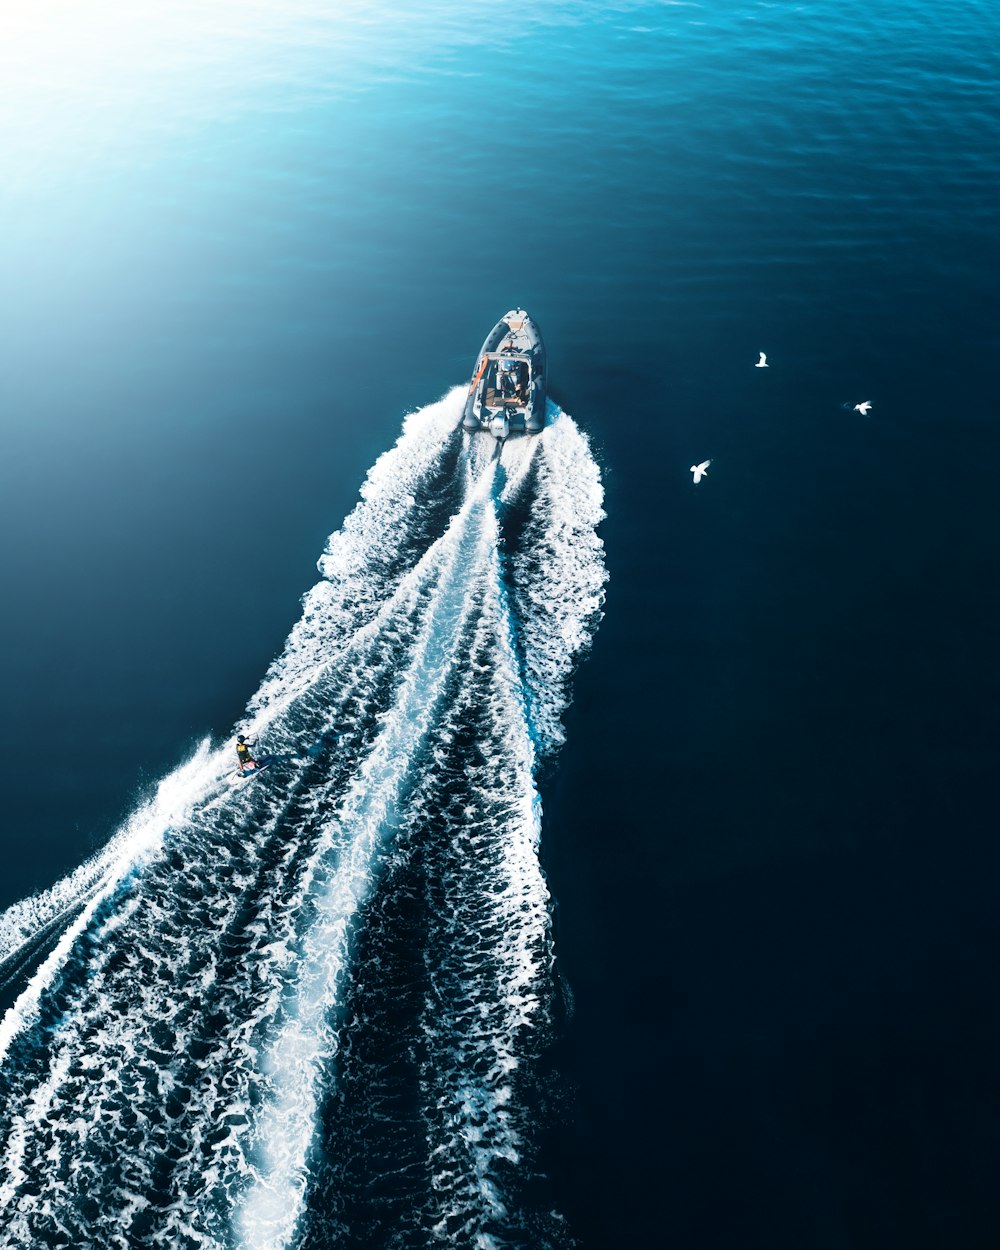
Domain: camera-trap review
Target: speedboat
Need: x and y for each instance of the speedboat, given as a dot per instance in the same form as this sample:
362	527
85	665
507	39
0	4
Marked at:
507	393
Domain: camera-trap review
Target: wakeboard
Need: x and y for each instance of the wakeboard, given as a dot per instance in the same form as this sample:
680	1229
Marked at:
259	766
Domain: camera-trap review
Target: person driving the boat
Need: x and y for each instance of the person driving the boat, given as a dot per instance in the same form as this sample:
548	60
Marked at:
508	378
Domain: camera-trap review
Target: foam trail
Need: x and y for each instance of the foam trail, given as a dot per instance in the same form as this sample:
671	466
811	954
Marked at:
478	1004
449	989
142	835
295	1058
379	543
31	920
210	1055
558	574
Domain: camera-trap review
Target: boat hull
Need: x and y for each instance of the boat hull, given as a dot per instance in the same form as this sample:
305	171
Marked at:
507	393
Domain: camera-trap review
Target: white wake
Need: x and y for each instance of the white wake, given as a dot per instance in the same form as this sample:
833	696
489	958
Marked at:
166	1067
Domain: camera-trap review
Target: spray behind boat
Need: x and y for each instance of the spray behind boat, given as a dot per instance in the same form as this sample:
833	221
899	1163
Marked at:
507	392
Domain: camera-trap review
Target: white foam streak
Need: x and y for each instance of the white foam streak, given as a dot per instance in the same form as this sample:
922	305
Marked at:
141	837
559	574
478	1128
306	1042
199	979
28	920
355	586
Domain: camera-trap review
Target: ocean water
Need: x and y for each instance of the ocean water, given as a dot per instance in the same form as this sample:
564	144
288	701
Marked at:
625	874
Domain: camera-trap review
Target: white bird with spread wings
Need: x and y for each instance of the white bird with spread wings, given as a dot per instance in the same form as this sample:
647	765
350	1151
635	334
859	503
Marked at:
863	407
699	470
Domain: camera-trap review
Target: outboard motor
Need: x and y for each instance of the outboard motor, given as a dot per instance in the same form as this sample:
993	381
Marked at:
500	425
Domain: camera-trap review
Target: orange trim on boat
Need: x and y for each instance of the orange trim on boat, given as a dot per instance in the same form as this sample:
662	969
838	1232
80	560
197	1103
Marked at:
480	371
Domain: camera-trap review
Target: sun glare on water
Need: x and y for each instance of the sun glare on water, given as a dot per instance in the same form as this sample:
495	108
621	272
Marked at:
81	82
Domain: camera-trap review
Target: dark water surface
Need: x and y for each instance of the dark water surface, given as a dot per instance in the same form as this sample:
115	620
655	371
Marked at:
238	243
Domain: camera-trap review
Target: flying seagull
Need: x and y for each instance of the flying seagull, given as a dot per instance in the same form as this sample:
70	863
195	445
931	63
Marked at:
699	470
762	363
863	408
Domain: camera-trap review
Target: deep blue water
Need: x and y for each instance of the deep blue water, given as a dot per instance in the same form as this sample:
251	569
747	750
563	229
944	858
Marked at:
238	243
